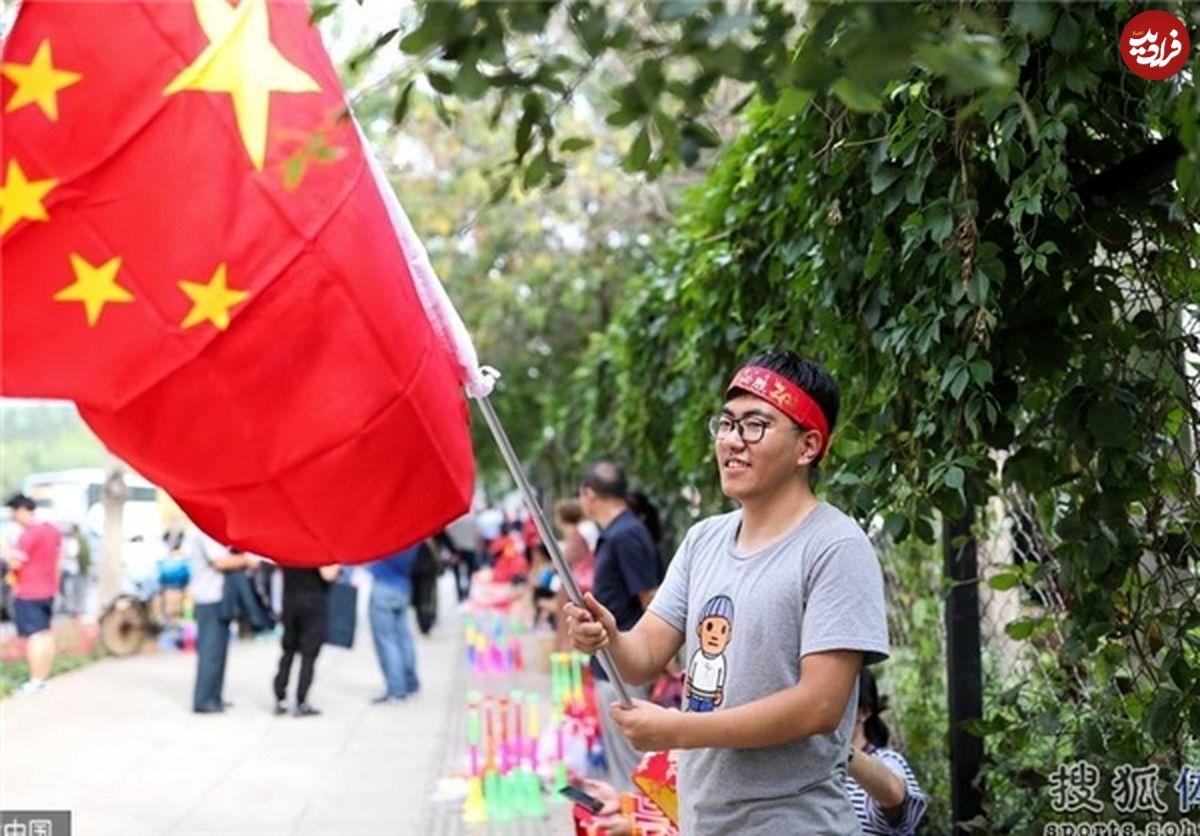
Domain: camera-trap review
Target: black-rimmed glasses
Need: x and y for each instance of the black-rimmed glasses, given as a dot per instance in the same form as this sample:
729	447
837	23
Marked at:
750	429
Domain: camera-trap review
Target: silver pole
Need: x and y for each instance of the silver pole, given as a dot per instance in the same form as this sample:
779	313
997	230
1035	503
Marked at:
543	527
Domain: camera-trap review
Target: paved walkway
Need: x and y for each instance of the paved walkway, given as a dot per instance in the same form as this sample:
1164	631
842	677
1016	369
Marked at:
117	744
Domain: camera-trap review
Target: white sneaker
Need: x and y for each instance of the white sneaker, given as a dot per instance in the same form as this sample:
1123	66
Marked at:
31	686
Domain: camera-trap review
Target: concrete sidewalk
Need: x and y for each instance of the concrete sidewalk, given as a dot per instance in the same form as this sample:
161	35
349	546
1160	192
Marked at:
117	744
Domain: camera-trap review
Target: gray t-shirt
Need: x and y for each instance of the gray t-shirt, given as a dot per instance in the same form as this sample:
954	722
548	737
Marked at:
747	620
208	582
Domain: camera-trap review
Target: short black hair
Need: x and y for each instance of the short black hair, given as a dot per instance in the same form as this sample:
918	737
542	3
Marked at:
869	699
645	510
806	374
607	479
20	500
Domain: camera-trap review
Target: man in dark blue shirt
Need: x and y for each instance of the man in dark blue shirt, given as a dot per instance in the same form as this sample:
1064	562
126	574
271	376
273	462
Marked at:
627	575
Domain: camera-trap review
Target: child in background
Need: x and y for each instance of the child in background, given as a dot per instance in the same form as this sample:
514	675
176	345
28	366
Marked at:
882	788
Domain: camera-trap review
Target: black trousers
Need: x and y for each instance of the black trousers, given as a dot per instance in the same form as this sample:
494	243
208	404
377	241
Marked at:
465	564
424	601
304	626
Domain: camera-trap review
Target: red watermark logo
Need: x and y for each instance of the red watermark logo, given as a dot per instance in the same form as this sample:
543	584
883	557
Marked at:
1155	45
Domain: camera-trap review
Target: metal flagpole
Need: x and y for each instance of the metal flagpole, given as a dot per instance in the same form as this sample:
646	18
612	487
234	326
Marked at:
543	527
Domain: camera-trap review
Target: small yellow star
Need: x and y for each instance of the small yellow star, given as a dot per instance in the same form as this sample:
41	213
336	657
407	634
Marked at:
241	60
38	82
211	302
21	198
94	286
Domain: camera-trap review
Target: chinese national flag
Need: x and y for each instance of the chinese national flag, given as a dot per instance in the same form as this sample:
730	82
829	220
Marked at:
198	251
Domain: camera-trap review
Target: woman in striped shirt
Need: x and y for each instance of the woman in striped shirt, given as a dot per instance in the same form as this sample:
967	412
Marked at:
881	787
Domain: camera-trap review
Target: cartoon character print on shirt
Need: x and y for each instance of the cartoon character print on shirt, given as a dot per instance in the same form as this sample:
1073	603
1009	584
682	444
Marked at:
705	684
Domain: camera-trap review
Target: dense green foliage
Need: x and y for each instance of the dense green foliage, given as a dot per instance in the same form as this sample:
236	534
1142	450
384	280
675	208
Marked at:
663	65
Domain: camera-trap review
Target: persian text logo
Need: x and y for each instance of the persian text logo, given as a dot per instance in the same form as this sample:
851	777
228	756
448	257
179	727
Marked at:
1155	45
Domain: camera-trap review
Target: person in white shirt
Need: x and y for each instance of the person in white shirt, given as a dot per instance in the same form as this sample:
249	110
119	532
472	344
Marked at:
209	563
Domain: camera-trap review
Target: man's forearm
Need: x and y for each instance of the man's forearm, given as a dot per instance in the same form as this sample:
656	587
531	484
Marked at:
631	653
783	717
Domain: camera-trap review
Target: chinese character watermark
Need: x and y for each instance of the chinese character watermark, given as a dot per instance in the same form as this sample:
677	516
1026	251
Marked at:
1188	787
1135	790
35	823
1073	788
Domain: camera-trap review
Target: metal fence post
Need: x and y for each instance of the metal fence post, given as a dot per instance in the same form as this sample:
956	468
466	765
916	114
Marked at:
964	669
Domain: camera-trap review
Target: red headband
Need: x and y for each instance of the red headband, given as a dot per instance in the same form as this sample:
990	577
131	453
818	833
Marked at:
785	396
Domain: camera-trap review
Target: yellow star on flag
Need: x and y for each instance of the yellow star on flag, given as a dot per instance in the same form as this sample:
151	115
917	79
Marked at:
94	286
241	60
38	82
21	198
211	302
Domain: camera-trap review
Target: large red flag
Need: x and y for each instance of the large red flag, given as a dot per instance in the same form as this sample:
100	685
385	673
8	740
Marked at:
197	250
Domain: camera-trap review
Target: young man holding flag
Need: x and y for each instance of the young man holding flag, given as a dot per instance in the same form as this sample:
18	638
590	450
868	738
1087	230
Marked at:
782	599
